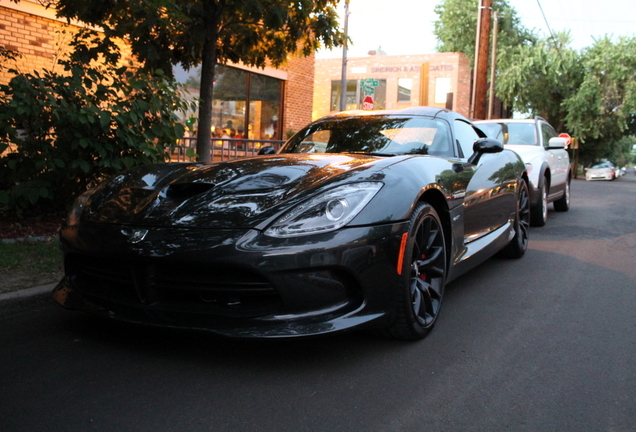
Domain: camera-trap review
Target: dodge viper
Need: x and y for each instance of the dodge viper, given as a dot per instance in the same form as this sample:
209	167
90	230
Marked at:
358	221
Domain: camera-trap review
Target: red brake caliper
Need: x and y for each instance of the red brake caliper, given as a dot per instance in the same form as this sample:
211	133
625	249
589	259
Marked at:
423	275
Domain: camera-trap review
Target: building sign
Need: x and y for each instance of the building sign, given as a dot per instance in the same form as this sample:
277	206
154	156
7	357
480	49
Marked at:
446	68
378	69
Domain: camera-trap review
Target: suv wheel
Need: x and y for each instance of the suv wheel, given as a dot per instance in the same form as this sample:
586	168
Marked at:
539	212
563	203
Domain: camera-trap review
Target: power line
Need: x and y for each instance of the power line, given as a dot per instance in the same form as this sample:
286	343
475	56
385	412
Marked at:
545	19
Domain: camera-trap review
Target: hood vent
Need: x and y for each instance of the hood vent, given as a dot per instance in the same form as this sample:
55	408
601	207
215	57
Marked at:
183	191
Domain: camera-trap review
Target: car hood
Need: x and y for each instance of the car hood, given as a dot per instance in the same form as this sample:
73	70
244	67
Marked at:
526	152
237	194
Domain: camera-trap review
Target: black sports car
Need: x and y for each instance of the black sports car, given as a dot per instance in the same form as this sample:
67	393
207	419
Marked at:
358	221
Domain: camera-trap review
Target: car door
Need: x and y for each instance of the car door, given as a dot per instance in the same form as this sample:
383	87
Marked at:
559	160
486	193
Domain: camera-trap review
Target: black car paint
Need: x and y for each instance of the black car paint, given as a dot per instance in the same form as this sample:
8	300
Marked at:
209	219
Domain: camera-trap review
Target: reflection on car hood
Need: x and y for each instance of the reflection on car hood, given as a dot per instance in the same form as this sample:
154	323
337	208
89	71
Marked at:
236	194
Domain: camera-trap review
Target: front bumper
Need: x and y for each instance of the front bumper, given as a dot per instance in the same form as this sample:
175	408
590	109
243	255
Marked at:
599	176
235	283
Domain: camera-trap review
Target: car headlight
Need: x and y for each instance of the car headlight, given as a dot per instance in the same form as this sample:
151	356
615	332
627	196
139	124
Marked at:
325	212
74	216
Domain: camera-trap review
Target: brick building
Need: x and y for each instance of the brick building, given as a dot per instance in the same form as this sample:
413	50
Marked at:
266	102
394	82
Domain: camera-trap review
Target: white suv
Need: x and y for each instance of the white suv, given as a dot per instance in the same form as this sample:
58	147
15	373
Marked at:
546	159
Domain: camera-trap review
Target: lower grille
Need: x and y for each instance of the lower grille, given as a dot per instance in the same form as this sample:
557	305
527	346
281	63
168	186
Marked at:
172	287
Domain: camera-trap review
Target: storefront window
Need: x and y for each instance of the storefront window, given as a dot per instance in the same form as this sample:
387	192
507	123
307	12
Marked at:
357	93
245	104
405	86
264	108
442	88
230	96
351	100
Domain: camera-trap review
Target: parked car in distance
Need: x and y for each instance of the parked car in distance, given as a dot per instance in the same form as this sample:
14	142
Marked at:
546	158
359	220
601	171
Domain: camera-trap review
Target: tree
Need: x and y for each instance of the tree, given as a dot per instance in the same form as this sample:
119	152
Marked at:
601	110
457	26
66	131
536	78
163	33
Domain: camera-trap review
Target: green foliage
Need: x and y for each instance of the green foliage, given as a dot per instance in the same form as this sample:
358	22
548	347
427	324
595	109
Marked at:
537	78
602	109
64	132
457	26
621	150
251	31
190	32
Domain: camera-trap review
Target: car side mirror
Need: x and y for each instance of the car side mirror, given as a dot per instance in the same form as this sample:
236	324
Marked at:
267	150
483	146
558	143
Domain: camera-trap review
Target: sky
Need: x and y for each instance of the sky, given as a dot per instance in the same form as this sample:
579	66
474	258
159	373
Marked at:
401	27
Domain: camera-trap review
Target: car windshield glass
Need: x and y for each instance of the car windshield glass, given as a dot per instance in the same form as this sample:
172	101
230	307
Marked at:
510	132
602	165
377	135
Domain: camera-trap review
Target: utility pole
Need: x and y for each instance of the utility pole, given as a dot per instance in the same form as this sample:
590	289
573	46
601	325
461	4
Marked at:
471	110
343	77
480	82
493	66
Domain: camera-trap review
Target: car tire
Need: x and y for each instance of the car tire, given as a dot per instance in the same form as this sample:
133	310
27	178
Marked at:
539	212
563	203
519	243
423	275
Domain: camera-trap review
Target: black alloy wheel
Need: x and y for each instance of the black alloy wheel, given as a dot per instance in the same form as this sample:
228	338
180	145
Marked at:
519	243
423	276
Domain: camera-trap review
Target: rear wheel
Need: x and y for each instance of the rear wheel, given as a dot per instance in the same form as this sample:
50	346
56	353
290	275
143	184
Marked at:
539	212
563	203
423	276
519	244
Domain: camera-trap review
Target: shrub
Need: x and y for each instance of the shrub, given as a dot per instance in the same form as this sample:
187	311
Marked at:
60	133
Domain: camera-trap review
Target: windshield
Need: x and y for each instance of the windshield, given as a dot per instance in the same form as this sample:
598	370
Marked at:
510	132
603	165
378	135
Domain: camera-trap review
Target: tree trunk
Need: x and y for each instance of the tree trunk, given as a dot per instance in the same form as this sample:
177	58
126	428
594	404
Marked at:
208	61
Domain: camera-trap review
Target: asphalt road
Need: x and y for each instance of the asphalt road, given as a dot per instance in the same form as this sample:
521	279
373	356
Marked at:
546	343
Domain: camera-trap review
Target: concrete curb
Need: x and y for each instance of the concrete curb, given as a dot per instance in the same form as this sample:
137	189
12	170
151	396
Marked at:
27	293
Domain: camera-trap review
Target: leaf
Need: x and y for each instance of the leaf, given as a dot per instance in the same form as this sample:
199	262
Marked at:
191	153
104	119
84	166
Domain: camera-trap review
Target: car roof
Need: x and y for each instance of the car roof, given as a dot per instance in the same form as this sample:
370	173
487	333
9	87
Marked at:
505	121
410	111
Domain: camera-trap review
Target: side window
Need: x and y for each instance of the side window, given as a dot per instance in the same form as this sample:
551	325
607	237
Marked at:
465	136
547	132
